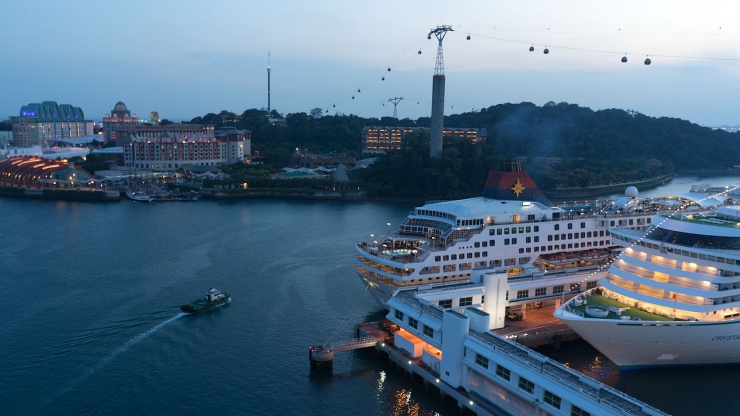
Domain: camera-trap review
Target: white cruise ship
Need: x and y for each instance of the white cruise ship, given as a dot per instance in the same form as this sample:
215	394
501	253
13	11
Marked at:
548	252
671	298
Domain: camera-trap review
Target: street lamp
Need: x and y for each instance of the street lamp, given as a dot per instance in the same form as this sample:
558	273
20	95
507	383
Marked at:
389	227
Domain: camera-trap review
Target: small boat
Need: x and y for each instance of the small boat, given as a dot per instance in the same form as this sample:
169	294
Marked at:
212	299
139	196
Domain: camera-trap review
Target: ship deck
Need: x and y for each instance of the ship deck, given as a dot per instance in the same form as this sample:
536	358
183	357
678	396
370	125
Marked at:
617	310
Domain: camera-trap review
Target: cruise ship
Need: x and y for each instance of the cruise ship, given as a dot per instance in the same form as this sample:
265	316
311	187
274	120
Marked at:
548	252
671	298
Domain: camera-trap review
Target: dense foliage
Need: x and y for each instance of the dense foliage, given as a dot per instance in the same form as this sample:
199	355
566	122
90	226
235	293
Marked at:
560	144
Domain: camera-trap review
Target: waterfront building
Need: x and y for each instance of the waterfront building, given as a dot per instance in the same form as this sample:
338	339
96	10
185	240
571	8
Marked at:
6	137
33	172
37	124
379	139
168	151
149	132
445	332
120	116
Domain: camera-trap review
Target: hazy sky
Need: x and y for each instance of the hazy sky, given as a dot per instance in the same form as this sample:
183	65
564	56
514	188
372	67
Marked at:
185	58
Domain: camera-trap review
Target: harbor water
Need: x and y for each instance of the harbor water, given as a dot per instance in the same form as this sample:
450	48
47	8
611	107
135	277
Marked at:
91	321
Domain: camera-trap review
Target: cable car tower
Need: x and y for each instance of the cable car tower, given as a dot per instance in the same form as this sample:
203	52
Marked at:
438	93
395	102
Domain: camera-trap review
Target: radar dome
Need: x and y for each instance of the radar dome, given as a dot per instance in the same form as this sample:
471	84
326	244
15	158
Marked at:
631	192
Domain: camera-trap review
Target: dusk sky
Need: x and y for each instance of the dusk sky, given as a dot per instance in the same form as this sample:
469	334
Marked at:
186	58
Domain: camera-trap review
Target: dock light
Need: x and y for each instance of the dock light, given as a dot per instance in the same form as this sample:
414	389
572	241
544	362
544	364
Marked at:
409	362
471	403
382	344
437	380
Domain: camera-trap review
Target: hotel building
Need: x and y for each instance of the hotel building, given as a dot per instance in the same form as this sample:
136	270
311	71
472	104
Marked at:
37	124
170	151
379	139
120	116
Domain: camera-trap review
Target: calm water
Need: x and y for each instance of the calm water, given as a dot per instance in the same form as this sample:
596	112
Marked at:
91	323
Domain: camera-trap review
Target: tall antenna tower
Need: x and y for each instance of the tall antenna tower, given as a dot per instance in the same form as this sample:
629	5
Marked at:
395	102
438	93
268	83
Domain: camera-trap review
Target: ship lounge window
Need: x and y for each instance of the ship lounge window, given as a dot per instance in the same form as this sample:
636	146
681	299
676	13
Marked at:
445	303
481	360
577	411
552	399
428	331
526	385
413	323
466	301
522	294
591	285
503	372
575	287
557	289
399	315
540	291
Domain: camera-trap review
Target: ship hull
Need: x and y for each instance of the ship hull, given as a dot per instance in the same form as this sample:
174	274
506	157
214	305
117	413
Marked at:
657	344
200	307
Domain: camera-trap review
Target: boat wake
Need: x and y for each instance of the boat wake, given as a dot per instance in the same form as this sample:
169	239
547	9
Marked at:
131	342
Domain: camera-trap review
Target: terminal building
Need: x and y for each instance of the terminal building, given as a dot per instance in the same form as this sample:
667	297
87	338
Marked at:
168	151
445	335
380	139
149	132
38	124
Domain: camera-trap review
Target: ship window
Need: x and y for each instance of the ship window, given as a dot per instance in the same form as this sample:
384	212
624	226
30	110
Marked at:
477	254
522	294
570	225
445	257
521	230
540	291
506	241
588	234
526	385
549	237
399	315
513	241
529	229
470	255
557	227
445	303
570	236
536	239
536	249
428	331
575	287
591	285
484	253
492	243
467	301
583	235
536	228
528	240
476	245
437	258
503	372
513	230
506	231
481	360
521	251
484	243
583	224
552	399
557	289
413	323
611	223
577	411
498	231
454	256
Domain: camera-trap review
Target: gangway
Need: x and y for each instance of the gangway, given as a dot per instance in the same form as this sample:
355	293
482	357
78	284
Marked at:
353	344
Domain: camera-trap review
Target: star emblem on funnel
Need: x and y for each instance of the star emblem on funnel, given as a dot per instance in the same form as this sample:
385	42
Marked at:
518	188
